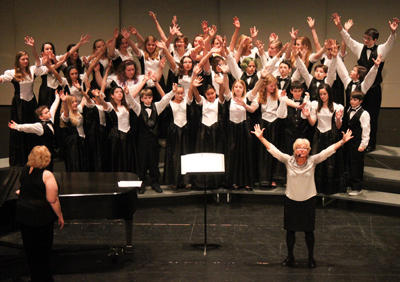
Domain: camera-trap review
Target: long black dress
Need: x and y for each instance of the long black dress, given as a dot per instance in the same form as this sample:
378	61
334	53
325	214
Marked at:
96	138
177	142
23	108
239	170
75	147
211	137
330	174
121	145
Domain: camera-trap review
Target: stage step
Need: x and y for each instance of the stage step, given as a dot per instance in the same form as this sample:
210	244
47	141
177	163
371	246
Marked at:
368	196
386	151
371	197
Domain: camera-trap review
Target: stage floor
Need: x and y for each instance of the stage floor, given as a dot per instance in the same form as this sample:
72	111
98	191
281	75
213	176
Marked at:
351	245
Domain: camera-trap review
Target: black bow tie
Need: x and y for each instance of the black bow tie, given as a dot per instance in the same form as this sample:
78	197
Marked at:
147	107
47	122
282	79
372	48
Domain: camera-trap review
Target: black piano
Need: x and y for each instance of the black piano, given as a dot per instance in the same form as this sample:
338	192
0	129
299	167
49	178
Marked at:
83	195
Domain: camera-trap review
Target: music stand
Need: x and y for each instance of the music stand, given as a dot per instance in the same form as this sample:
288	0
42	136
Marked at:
203	164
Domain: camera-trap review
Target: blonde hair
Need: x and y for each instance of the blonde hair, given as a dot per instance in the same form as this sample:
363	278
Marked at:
262	93
244	88
39	157
300	141
73	116
147	55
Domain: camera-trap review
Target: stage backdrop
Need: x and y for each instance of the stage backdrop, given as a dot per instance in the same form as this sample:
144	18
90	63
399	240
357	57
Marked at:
63	22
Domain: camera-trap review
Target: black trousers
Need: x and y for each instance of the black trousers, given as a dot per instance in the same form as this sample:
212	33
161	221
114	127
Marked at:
354	167
38	244
372	104
148	157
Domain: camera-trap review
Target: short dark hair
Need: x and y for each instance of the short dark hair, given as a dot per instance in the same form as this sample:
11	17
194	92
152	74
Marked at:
372	32
356	94
324	67
296	85
286	62
362	72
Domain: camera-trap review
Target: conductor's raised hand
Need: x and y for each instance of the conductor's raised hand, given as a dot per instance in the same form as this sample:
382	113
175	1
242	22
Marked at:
258	132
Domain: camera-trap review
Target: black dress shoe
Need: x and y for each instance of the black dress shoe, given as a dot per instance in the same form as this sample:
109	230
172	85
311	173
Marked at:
312	263
288	262
156	187
370	149
142	188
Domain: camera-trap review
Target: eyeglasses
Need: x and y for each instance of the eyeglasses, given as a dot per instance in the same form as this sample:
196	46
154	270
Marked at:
302	149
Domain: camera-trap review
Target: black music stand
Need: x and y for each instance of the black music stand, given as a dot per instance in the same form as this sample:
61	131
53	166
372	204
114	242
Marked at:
203	164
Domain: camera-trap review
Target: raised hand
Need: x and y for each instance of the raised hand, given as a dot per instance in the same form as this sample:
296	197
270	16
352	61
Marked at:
236	22
60	93
197	69
260	45
29	41
197	81
77	85
204	26
116	33
394	25
132	30
174	87
283	93
378	60
273	37
339	114
84	39
348	24
160	44
153	16
253	32
239	101
305	111
174	20
293	34
212	31
295	51
265	71
219	79
258	131
125	33
311	22
347	136
336	19
335	49
174	30
163	61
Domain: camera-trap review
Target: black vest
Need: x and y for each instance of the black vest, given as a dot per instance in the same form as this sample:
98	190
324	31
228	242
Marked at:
348	91
313	89
354	125
47	139
294	123
148	125
253	80
369	63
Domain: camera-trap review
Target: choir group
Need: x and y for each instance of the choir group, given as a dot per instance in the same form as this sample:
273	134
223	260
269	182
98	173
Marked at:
107	110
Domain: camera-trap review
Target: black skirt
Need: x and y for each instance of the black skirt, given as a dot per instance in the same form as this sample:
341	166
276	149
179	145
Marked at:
299	216
269	168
